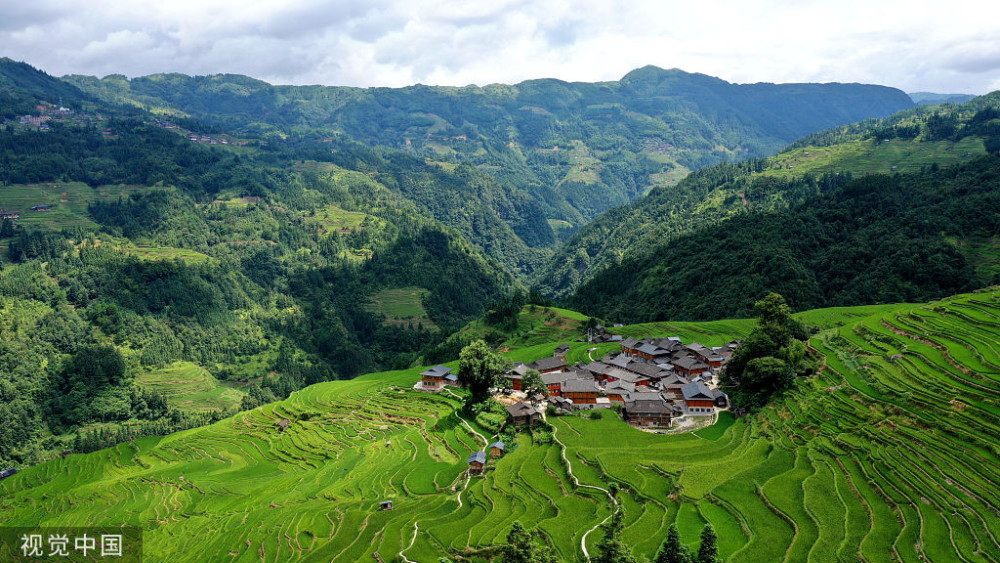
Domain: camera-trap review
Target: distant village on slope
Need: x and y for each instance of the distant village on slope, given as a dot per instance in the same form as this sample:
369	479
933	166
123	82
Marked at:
654	381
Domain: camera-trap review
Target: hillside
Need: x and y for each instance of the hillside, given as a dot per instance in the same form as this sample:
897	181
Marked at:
886	455
910	141
577	148
250	263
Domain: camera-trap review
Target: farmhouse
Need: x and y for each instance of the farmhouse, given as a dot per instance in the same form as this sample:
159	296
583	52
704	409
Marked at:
476	462
42	208
433	379
561	350
582	392
690	366
616	391
698	398
548	365
7	473
522	413
496	449
515	374
554	381
648	409
385	505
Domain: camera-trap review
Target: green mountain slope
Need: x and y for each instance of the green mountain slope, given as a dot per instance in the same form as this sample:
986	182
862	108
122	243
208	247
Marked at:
578	148
876	239
885	455
910	141
261	263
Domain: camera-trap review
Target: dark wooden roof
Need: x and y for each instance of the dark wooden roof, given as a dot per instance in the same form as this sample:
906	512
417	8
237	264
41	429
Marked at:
546	364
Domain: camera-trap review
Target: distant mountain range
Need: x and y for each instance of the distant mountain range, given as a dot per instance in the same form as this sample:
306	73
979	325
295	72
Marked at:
576	148
932	99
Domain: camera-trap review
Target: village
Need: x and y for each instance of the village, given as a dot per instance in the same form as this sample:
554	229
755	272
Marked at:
657	384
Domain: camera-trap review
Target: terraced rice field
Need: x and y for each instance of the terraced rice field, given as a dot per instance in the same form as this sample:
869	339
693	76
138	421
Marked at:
190	387
402	306
890	454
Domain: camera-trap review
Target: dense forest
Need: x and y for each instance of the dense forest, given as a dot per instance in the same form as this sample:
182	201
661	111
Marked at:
577	148
914	139
875	239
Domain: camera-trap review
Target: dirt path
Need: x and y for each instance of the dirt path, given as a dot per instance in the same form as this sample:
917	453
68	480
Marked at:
569	470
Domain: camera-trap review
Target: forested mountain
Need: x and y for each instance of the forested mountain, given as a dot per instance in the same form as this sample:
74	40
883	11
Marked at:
932	99
909	141
151	282
577	148
876	239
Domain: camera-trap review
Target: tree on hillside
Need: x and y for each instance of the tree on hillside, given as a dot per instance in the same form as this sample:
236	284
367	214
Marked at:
611	548
768	359
533	383
478	368
708	551
522	547
672	550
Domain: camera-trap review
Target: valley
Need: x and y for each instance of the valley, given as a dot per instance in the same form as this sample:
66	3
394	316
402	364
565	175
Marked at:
281	323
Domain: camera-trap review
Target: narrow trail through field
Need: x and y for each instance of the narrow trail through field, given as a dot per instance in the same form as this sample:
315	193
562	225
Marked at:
416	528
468	478
569	470
466	422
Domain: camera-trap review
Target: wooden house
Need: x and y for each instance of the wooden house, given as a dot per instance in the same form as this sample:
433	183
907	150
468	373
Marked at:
630	345
616	391
522	413
476	462
496	449
385	505
515	374
698	398
581	391
690	366
648	409
434	378
548	365
561	350
554	381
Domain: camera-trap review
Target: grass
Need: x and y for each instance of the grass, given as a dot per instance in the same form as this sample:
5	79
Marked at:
869	460
191	388
402	306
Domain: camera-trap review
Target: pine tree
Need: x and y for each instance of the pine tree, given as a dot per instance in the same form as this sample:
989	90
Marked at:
708	552
672	550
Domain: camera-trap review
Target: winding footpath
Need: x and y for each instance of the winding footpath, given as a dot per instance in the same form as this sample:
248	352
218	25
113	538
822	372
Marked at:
416	525
569	470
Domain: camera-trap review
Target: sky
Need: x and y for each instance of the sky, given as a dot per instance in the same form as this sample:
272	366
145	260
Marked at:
944	47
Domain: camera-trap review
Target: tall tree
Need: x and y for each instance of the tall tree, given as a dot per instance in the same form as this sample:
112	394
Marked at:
533	383
611	548
672	550
767	360
708	551
522	547
478	368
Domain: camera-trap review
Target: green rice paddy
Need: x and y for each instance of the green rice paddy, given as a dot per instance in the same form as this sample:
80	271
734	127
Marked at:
889	454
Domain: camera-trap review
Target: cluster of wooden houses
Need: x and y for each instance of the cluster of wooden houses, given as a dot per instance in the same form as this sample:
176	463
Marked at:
654	380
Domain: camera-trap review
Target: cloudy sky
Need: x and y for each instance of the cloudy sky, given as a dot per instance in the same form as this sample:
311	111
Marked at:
913	45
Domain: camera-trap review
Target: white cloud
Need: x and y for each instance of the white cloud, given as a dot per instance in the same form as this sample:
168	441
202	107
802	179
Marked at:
913	45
